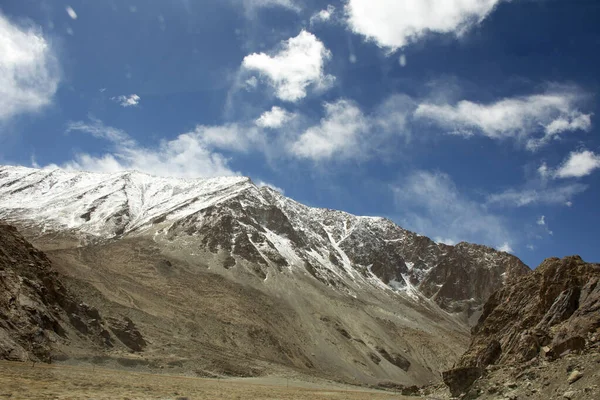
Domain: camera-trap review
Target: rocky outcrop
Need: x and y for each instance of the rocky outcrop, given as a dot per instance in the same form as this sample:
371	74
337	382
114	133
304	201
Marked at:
36	309
549	313
126	331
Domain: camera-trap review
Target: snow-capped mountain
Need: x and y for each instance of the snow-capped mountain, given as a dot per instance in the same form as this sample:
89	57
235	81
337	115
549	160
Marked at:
255	228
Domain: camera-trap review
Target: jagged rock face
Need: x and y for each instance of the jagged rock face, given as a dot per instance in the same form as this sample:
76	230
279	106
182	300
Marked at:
35	307
261	227
553	310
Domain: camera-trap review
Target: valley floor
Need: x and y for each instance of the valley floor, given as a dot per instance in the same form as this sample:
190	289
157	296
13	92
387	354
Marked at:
42	381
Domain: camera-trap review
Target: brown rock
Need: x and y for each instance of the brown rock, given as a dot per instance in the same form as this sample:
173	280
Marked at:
574	377
459	380
126	331
572	344
562	294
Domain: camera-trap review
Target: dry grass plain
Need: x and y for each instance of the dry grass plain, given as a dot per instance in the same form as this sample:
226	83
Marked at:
22	381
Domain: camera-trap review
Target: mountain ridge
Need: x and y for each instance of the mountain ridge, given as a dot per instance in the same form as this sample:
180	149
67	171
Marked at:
332	245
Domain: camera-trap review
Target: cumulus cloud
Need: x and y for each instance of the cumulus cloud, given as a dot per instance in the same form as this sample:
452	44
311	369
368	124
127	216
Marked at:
542	220
393	24
127	101
186	156
577	122
532	120
432	204
338	134
274	118
323	15
578	164
554	195
29	74
298	64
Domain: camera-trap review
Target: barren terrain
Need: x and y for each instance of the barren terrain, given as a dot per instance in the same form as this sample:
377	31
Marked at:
22	381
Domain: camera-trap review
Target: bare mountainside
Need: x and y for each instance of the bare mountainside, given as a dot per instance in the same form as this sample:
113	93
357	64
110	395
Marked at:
223	277
545	329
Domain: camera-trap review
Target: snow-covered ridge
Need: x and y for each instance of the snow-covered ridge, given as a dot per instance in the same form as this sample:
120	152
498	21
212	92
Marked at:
234	217
87	201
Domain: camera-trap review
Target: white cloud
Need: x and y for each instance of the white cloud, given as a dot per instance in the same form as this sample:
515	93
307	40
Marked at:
28	70
275	118
251	83
578	122
544	171
323	15
296	66
520	118
232	137
433	205
261	183
579	164
505	247
531	247
393	24
127	101
338	134
447	241
345	132
542	220
71	12
402	60
543	195
185	156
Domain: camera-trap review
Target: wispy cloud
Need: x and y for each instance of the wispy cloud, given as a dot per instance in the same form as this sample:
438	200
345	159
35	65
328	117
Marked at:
252	6
29	73
393	24
186	156
346	132
127	101
553	195
261	183
323	15
430	203
533	120
296	66
339	133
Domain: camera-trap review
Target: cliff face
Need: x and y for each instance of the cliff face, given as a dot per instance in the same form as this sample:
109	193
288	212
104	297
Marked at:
551	312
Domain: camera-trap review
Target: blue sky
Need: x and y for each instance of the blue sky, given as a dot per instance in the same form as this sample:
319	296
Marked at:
462	120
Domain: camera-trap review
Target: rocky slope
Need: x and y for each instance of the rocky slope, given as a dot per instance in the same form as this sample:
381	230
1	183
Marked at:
37	311
552	312
223	277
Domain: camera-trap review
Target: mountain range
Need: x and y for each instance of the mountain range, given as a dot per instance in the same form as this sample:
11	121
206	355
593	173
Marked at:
222	277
